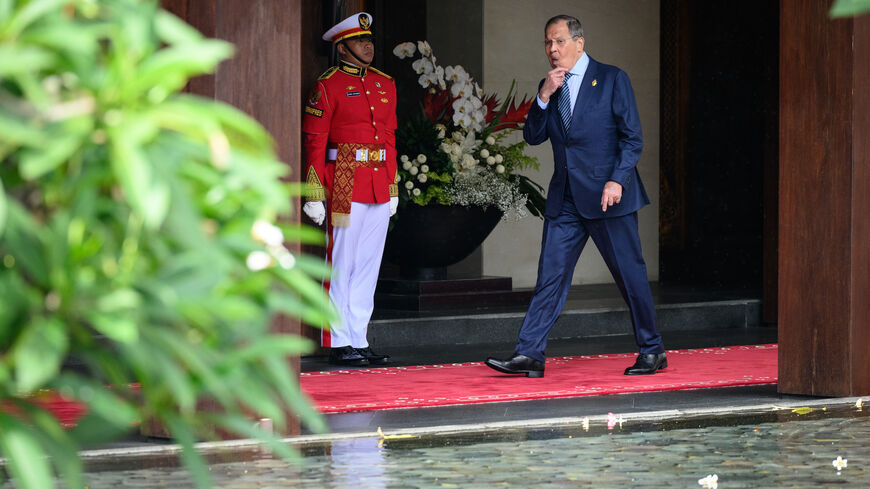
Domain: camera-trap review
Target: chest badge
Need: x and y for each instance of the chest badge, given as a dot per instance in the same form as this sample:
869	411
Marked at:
385	100
349	87
353	94
378	84
594	82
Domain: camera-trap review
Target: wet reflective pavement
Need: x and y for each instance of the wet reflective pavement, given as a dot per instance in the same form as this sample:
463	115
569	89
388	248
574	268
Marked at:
781	448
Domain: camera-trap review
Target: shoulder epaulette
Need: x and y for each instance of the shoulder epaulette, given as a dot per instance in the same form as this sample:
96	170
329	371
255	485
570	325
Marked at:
326	74
380	73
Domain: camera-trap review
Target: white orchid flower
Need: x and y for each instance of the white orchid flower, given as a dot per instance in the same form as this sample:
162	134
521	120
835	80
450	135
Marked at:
456	74
477	90
461	89
424	48
439	77
463	105
404	50
423	65
258	260
461	119
478	116
425	80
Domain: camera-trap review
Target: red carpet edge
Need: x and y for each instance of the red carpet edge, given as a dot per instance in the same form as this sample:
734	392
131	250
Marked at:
369	389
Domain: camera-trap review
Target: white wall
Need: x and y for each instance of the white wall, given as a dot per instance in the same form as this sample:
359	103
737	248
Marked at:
624	33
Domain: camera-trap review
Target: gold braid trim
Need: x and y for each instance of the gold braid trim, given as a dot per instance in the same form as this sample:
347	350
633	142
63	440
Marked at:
340	219
394	187
380	73
313	188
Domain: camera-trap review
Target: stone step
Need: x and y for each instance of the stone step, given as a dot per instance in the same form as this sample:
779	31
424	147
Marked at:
598	316
447	293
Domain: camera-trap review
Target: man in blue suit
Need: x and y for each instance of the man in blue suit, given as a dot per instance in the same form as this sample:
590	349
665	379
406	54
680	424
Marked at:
587	111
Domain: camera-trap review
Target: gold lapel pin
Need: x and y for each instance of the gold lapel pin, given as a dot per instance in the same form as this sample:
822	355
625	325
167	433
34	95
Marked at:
594	82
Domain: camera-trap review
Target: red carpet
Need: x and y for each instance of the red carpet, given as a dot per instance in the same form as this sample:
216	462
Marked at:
589	375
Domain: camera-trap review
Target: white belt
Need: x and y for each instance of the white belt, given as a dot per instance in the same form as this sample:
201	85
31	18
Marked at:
361	155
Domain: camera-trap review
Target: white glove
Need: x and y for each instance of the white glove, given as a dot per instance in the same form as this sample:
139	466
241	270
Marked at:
315	210
394	204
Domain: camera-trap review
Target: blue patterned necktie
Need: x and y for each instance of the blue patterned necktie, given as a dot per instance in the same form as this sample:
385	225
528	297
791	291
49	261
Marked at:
565	102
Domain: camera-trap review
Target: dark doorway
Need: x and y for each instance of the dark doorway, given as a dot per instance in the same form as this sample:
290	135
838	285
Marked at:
719	133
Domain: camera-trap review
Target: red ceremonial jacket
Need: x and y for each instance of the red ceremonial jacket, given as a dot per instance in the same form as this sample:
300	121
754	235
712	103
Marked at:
351	105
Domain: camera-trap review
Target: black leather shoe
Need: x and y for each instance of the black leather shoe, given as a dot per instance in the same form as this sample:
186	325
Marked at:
372	357
518	364
347	355
647	364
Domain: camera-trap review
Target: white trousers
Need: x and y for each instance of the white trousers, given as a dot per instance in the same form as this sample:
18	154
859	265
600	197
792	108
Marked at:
356	253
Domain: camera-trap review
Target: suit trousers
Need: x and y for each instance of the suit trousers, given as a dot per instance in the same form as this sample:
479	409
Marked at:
356	252
563	239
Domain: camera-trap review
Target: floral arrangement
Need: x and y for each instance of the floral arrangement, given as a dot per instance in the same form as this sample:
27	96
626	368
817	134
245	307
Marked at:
456	152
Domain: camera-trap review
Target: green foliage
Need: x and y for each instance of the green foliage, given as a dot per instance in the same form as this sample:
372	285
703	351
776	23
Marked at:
126	217
849	8
419	136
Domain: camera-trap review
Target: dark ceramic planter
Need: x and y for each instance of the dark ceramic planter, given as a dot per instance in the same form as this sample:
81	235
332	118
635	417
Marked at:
425	240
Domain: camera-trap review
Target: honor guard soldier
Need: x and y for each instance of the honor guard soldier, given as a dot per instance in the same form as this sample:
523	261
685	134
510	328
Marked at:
348	130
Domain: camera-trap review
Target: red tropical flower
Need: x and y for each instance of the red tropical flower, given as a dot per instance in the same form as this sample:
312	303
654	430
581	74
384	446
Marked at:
514	115
438	106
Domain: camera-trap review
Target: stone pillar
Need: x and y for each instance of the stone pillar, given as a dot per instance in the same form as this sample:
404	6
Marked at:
824	202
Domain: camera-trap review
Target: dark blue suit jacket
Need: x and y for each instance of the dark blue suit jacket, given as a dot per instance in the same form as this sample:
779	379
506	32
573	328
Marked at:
604	143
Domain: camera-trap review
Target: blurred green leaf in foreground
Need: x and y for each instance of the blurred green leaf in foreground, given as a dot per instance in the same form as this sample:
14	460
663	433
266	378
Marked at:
849	8
138	241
